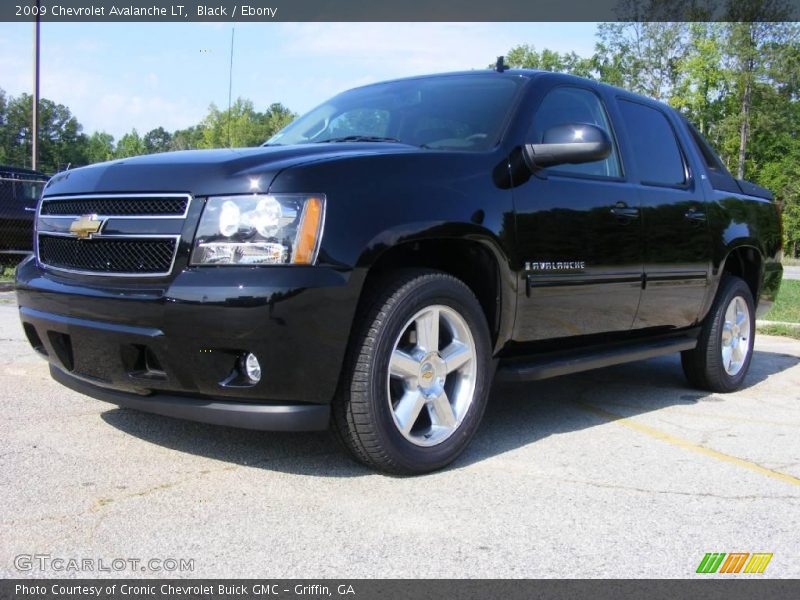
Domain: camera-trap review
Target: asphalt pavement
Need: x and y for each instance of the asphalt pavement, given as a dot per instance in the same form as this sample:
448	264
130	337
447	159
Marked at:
621	472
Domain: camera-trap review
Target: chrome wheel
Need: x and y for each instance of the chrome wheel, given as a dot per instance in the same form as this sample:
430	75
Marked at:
735	336
432	371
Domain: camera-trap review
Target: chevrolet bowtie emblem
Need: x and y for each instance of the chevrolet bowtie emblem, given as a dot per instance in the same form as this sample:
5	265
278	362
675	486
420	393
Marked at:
85	226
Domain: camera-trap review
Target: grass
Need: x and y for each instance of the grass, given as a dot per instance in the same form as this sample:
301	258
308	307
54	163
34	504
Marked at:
780	329
7	275
787	305
789	261
786	309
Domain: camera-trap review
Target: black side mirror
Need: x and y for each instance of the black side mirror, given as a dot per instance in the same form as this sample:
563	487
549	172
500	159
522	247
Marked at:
573	143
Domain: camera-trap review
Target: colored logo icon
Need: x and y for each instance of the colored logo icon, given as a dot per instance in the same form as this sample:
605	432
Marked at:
735	562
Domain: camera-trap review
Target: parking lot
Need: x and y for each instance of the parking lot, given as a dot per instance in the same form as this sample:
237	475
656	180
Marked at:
622	472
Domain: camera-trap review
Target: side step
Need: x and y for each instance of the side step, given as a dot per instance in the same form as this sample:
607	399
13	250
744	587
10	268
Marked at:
586	360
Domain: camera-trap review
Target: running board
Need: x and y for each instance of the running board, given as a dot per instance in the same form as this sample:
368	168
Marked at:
578	361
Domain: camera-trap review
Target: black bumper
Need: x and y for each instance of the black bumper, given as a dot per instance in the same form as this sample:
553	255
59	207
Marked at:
245	415
174	347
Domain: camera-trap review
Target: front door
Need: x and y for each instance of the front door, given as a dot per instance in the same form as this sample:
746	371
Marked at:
579	234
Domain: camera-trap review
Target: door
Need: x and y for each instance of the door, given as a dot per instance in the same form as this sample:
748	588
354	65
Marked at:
578	234
677	243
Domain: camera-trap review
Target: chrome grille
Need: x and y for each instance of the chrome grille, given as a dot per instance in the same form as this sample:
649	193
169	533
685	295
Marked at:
140	240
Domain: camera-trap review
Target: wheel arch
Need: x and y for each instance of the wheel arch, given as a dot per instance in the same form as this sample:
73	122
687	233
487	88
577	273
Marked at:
745	261
475	257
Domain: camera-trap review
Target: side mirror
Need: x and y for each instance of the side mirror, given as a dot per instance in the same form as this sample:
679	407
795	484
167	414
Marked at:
573	143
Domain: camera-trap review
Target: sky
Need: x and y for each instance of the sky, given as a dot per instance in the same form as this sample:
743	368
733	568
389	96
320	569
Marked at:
119	76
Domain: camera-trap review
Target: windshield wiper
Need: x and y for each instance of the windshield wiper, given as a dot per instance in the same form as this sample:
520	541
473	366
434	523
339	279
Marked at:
358	138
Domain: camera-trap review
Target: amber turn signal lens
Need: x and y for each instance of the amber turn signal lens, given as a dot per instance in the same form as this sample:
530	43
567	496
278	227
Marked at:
308	232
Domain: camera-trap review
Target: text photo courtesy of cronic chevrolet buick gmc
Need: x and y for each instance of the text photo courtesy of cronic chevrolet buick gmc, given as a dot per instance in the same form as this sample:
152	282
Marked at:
375	265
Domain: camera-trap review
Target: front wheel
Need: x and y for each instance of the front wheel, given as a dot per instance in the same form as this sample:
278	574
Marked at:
721	359
418	375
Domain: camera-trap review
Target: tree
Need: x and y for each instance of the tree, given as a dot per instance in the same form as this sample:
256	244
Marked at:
61	141
157	140
526	57
187	139
641	56
130	144
3	103
99	147
242	125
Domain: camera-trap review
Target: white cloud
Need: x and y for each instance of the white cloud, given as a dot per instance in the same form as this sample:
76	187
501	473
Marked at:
113	77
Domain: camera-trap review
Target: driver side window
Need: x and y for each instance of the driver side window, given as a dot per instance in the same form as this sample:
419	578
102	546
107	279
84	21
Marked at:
566	105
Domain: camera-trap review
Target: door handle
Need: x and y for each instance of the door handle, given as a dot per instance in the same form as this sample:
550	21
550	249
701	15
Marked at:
622	210
695	215
29	209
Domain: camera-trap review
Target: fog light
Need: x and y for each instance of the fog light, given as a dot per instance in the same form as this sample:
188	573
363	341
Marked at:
252	368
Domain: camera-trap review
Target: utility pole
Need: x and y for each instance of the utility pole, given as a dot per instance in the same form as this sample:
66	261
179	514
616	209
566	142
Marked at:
230	88
35	108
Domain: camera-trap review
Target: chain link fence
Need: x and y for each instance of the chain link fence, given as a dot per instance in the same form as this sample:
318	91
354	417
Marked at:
20	190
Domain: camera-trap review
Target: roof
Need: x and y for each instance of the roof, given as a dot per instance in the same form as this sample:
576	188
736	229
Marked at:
9	170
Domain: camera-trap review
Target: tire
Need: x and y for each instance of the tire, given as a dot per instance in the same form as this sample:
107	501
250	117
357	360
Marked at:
707	367
373	413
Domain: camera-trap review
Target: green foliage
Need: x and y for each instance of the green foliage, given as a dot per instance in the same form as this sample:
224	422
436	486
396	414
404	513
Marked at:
787	305
130	144
62	141
527	57
780	329
99	147
242	125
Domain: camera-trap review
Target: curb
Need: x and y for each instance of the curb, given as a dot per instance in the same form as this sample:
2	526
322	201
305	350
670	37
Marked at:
760	323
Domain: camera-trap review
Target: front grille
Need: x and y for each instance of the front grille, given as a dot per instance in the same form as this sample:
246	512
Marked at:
112	206
108	256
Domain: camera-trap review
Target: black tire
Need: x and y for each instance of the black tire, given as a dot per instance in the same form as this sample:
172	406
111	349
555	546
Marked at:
362	416
703	366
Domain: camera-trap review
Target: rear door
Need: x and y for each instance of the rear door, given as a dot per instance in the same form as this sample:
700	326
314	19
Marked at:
677	243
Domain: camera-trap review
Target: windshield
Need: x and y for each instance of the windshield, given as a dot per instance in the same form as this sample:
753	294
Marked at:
457	112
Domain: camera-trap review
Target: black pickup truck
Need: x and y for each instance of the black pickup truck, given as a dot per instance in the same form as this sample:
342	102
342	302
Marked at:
19	192
379	261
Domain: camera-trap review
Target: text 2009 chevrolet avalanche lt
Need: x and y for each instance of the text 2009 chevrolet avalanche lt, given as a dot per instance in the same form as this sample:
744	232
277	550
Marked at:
375	263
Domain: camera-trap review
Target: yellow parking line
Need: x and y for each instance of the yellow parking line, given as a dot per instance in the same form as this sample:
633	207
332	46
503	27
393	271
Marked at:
686	444
673	410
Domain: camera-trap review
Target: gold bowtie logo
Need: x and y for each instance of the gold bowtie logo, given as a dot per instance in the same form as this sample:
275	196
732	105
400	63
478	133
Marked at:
85	226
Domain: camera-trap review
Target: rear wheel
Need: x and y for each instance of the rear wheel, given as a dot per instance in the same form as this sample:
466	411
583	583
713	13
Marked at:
417	377
721	359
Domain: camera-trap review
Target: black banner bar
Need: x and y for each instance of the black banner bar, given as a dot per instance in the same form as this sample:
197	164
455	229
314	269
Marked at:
398	10
389	589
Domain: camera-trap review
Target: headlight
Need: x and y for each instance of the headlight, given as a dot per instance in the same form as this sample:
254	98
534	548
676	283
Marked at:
260	229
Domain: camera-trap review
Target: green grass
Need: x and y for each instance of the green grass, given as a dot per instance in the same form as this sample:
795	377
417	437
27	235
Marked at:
787	305
786	309
792	262
779	329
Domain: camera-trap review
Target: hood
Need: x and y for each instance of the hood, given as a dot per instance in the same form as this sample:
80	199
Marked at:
206	172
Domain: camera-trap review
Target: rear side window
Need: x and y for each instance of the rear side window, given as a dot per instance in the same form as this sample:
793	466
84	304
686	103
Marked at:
566	105
653	145
720	177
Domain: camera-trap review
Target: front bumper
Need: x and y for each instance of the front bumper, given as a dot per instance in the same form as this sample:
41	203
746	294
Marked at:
173	348
245	415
